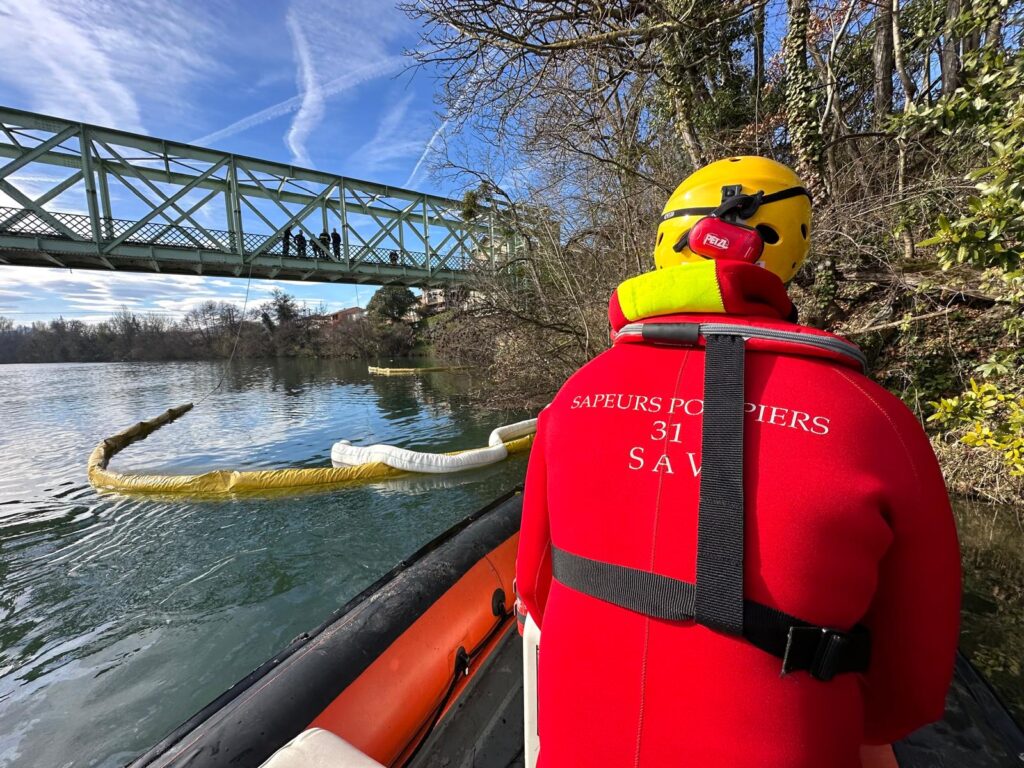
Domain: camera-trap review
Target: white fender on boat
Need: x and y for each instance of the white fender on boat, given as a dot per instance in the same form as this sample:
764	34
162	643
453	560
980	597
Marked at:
344	454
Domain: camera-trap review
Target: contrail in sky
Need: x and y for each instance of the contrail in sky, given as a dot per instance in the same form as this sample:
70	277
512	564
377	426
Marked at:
463	95
380	68
426	152
311	110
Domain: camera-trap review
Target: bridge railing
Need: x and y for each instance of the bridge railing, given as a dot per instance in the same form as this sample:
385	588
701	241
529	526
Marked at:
26	223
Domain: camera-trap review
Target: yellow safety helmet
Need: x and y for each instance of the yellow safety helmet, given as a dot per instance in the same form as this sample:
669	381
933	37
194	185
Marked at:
748	192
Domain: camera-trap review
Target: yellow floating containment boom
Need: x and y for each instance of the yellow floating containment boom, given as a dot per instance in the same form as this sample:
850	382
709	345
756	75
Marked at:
413	371
225	482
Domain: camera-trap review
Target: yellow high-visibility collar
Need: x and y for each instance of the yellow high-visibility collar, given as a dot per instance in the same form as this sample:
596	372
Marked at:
688	287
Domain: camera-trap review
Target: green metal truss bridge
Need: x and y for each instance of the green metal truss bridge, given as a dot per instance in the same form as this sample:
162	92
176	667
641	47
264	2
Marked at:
85	197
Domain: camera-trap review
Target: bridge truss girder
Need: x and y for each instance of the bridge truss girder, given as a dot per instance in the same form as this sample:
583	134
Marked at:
144	204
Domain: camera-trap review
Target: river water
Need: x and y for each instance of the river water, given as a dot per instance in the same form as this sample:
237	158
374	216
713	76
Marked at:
121	617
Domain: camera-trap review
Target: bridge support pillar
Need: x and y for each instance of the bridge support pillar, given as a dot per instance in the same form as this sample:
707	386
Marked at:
89	179
108	214
344	225
234	211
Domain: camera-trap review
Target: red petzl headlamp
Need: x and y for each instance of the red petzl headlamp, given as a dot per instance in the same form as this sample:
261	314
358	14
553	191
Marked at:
717	239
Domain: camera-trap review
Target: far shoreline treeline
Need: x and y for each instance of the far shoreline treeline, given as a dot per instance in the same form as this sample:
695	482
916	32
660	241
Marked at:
280	327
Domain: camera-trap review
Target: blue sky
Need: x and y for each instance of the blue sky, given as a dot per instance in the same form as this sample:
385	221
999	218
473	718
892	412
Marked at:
312	82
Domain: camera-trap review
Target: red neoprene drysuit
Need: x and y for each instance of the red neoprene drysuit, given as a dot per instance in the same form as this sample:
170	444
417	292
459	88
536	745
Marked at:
847	520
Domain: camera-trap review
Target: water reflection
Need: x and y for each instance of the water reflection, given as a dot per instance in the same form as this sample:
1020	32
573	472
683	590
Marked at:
992	631
399	397
139	611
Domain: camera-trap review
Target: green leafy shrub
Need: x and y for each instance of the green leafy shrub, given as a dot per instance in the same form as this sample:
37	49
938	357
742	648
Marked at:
989	418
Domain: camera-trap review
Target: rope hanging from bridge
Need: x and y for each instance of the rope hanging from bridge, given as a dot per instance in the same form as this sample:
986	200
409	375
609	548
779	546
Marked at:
516	438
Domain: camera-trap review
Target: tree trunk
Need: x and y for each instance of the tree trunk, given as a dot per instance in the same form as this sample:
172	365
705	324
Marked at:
909	91
687	132
972	41
758	49
885	62
950	59
994	33
801	97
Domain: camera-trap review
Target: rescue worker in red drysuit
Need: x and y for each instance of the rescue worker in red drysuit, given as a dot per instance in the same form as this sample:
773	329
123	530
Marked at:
846	515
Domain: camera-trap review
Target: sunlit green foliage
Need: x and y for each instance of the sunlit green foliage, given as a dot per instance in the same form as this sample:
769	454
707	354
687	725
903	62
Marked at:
987	111
982	122
989	418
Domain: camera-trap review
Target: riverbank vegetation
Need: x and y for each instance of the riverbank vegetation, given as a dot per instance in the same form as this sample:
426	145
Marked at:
905	118
280	327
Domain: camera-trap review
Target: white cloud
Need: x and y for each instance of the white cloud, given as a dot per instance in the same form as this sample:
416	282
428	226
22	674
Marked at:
95	295
34	185
466	92
337	48
427	149
93	60
29	294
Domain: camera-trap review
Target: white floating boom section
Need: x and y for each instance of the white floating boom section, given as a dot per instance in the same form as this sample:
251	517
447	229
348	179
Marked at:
85	197
344	454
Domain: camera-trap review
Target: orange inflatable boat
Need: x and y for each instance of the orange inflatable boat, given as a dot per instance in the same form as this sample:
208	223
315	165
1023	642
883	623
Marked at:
425	668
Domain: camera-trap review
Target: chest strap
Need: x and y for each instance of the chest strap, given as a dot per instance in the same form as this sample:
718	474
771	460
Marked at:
716	600
802	646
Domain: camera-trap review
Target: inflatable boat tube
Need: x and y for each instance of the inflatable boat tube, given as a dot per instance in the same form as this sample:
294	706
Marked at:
344	454
424	668
382	671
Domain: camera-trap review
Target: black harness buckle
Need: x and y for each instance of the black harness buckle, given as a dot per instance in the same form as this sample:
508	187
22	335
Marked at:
675	334
818	650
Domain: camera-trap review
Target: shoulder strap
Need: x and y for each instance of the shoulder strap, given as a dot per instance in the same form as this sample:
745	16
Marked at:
719	601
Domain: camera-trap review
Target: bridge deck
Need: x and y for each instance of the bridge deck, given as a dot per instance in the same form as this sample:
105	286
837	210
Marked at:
27	240
89	197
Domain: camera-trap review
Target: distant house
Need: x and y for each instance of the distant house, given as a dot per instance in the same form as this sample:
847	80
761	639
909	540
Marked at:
350	315
342	316
434	300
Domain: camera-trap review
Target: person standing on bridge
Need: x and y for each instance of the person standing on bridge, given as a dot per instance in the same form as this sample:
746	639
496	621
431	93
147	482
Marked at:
286	242
300	244
325	244
739	550
336	243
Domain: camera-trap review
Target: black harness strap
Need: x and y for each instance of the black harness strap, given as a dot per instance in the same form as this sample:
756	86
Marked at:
820	651
642	591
719	602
